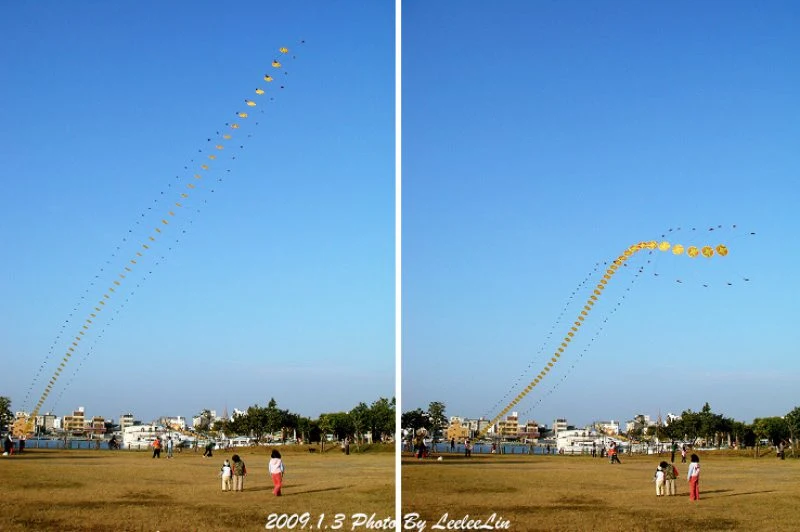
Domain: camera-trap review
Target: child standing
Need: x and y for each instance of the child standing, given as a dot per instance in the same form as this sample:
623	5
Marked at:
225	473
239	472
670	474
276	471
659	478
693	476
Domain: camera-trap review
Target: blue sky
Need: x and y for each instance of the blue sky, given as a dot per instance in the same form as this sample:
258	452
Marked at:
279	283
543	138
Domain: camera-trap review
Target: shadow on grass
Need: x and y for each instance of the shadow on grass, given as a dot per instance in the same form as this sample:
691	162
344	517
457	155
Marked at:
735	494
27	455
293	493
51	484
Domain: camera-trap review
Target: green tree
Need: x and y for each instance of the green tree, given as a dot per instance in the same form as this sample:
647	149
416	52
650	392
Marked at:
793	425
742	434
290	424
710	425
256	421
692	422
238	425
361	417
437	419
6	417
774	429
339	424
382	418
205	421
325	424
274	418
414	420
674	430
306	428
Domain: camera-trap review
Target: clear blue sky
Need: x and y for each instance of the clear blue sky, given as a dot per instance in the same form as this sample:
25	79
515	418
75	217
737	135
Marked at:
281	286
540	138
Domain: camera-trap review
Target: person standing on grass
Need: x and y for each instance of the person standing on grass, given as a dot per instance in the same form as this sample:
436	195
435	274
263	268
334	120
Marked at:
659	479
693	475
670	474
239	472
157	448
276	470
612	453
674	448
683	454
169	447
225	473
209	450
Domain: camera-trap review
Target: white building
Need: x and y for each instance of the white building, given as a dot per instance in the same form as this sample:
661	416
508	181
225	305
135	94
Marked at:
559	425
126	420
198	419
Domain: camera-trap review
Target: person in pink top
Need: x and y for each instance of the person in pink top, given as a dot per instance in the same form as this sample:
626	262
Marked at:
693	476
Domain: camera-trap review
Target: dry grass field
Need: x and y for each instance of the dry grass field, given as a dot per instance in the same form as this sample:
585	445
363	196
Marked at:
78	490
582	493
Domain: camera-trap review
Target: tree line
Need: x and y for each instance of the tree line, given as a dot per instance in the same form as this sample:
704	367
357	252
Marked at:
363	422
695	427
716	429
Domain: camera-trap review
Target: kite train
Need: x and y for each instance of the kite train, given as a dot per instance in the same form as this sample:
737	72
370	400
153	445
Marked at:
692	252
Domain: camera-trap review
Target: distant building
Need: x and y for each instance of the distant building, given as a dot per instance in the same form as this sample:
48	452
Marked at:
477	426
529	431
197	420
75	423
457	430
126	420
96	428
46	422
639	423
175	422
508	429
609	428
559	425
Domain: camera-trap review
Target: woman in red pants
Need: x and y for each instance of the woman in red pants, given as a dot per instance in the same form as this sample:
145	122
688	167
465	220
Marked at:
276	471
694	478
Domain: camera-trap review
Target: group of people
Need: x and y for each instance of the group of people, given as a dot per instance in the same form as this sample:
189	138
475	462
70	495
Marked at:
8	444
666	473
158	445
233	472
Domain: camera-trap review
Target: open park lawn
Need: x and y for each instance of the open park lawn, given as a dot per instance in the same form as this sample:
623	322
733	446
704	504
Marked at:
583	493
63	490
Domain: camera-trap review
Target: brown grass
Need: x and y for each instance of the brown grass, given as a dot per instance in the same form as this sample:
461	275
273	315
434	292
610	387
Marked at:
581	493
77	490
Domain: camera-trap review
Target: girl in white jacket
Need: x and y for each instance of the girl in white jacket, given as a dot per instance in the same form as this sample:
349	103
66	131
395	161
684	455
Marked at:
225	474
276	471
693	475
659	478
